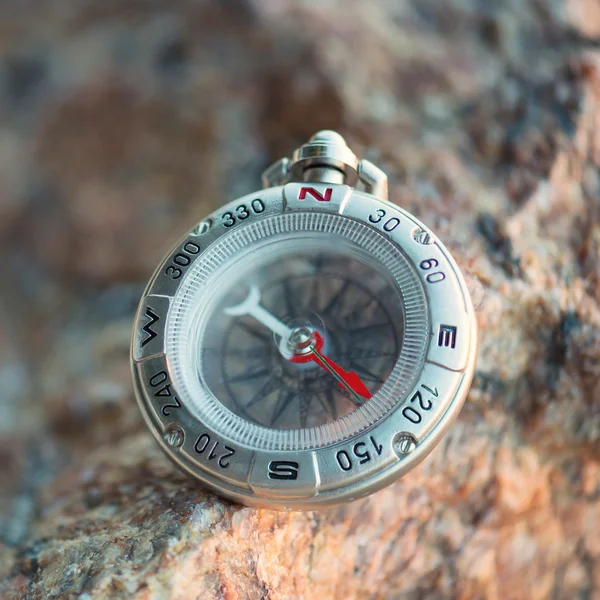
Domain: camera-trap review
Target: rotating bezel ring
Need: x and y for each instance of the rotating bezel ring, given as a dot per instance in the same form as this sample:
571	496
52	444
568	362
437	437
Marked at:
306	469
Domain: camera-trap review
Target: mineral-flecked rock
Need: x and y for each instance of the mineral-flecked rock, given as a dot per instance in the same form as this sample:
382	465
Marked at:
123	123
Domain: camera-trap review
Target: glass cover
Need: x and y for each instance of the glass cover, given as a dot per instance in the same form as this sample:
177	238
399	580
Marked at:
297	331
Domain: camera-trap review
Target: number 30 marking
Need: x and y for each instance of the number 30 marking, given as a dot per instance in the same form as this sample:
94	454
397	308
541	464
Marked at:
389	225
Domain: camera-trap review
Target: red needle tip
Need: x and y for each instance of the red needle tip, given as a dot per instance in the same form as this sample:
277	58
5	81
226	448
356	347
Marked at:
349	379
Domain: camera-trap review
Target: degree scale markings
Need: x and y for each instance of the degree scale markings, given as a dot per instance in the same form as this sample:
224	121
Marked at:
450	306
311	478
339	348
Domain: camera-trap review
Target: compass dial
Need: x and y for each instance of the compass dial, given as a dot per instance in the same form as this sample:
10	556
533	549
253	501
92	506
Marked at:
306	344
297	331
353	313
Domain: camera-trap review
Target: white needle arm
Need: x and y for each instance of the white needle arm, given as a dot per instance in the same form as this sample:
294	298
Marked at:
251	306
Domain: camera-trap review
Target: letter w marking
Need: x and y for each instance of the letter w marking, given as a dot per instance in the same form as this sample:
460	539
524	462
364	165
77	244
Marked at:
147	328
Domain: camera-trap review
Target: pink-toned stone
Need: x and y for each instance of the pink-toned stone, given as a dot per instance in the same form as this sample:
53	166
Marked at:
122	124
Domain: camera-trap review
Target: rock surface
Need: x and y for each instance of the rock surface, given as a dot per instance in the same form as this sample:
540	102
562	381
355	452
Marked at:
123	123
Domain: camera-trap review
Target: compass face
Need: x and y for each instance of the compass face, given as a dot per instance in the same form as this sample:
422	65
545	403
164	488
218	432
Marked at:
356	311
303	346
298	331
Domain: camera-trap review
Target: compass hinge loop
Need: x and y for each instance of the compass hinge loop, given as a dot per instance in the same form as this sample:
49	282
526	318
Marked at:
327	158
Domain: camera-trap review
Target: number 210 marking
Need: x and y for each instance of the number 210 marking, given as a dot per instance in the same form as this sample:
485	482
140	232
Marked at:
202	444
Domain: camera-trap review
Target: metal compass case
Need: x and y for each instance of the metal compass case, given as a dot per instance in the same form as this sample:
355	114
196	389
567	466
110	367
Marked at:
307	344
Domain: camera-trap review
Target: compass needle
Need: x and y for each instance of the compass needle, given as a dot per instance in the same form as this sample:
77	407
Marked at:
250	330
350	380
296	346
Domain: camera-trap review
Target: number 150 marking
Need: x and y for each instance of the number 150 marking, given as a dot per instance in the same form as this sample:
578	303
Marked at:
360	451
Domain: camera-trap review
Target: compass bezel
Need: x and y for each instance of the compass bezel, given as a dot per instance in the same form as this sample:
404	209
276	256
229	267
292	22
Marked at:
345	470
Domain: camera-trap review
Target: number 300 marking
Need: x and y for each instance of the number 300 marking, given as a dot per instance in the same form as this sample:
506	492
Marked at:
181	260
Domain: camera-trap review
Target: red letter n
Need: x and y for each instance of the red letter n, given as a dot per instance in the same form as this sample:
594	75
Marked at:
325	197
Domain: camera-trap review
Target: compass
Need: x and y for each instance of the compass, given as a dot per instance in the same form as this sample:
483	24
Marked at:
307	344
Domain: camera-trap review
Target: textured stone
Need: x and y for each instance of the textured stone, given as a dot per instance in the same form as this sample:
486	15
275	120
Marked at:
123	123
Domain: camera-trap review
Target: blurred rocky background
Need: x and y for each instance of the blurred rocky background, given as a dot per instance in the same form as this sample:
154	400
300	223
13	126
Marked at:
123	123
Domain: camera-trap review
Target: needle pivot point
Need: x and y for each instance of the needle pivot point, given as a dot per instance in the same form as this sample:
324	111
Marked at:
301	339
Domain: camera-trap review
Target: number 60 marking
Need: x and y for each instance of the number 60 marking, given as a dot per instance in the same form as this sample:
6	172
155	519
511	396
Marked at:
431	263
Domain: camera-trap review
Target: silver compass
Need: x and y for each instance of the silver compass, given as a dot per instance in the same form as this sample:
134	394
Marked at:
307	344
